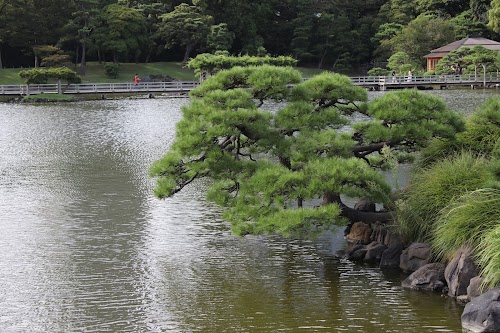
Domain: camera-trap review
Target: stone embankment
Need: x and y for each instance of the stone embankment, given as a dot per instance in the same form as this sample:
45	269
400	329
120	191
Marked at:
459	278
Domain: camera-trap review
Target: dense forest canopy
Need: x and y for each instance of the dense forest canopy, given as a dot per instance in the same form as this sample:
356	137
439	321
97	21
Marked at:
337	35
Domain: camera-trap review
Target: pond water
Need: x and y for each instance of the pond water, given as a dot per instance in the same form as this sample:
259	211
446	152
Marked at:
85	247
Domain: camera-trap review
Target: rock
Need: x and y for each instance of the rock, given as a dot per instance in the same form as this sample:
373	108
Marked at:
379	232
482	314
365	205
459	272
391	256
340	254
415	256
474	289
393	239
359	233
357	253
374	252
383	233
428	277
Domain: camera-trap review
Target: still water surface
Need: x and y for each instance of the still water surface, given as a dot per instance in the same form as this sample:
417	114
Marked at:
85	247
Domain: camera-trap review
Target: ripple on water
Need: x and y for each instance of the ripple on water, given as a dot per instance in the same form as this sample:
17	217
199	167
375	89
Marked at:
86	248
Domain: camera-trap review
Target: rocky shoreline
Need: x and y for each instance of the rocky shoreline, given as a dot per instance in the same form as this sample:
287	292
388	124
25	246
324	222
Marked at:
459	278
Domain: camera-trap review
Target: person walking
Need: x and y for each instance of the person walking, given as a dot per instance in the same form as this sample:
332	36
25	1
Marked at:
136	79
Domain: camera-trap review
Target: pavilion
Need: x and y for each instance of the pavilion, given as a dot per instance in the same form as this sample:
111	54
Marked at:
438	54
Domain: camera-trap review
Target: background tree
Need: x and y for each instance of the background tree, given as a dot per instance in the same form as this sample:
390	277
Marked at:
219	38
382	40
423	34
79	27
466	25
270	167
443	8
494	16
152	12
185	26
120	30
401	63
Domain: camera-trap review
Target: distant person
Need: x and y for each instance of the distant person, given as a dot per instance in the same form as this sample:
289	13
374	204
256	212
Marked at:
393	75
136	79
410	74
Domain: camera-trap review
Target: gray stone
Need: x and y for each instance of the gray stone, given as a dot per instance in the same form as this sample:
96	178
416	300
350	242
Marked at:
428	277
415	256
357	253
340	254
460	271
482	314
391	256
374	252
474	289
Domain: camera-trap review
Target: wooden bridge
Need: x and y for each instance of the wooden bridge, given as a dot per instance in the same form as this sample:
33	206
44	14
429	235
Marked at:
369	82
427	82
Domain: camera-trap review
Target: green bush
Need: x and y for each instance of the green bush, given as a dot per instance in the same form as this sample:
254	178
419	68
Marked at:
481	136
377	71
42	75
112	70
211	64
483	128
435	187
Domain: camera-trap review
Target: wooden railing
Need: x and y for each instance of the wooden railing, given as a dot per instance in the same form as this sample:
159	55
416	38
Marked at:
381	82
97	88
427	80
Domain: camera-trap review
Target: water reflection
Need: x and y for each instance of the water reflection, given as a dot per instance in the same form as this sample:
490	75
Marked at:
86	248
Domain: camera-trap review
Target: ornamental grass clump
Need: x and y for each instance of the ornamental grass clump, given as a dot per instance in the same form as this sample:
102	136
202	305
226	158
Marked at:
435	187
489	256
473	220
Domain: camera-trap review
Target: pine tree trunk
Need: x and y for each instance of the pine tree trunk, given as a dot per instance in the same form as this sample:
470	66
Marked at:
189	48
83	60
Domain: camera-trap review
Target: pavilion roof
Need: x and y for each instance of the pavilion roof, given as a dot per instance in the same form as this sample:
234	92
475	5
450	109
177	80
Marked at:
464	42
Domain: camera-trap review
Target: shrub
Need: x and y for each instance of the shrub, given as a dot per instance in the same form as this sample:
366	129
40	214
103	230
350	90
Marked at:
377	71
481	136
483	128
112	70
42	75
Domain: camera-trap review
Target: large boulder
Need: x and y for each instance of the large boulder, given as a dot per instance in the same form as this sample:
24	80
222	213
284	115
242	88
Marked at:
357	252
429	277
359	233
374	252
460	271
415	256
482	314
384	234
391	256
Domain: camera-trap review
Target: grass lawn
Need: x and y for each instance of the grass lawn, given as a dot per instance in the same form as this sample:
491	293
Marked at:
95	72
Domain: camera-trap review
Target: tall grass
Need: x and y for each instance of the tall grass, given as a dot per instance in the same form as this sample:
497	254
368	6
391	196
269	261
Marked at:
489	256
435	187
465	221
474	220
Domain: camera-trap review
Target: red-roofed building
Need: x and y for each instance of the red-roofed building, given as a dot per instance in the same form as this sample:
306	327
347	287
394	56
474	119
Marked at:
438	54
